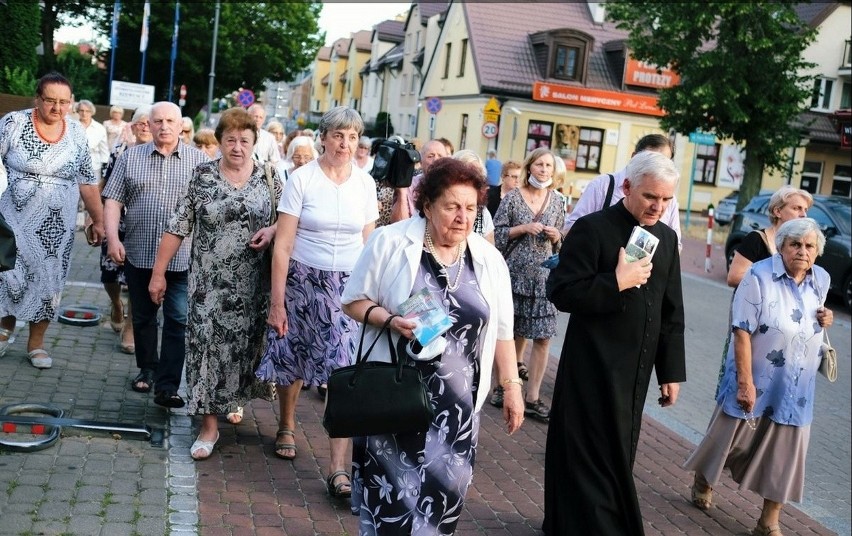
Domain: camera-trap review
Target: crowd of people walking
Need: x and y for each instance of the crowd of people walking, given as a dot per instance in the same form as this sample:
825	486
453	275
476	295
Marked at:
271	253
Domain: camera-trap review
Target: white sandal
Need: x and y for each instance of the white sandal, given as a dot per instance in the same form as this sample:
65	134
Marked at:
10	337
40	359
203	448
235	417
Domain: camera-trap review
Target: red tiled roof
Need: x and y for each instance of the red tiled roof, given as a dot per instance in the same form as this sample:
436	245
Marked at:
341	47
499	41
363	40
324	53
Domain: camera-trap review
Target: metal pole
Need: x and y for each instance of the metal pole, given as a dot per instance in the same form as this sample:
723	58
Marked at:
691	183
116	11
174	51
143	42
213	66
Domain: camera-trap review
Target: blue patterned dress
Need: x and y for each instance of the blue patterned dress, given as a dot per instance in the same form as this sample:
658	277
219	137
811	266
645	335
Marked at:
40	204
416	483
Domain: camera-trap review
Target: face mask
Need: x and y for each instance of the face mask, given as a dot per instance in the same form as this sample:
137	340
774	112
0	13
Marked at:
535	183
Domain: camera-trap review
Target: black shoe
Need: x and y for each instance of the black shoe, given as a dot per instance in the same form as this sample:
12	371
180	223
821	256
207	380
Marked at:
143	381
523	372
497	397
169	399
537	410
322	390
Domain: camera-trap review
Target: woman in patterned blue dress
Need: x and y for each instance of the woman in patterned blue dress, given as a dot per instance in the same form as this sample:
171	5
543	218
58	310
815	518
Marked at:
415	483
49	168
327	210
765	405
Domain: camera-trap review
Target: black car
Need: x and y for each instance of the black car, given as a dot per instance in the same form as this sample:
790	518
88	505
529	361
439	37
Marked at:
833	214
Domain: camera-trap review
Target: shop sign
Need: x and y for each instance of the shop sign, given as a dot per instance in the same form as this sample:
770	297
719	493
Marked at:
597	98
640	73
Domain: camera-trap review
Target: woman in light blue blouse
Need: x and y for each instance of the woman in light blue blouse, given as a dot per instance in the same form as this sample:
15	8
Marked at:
761	426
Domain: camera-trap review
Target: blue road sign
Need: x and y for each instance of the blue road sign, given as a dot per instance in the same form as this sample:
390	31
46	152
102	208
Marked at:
433	105
245	98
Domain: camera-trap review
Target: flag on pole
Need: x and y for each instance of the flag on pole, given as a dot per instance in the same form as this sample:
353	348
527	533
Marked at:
143	42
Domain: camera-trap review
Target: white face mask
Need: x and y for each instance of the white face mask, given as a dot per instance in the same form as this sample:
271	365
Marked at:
535	183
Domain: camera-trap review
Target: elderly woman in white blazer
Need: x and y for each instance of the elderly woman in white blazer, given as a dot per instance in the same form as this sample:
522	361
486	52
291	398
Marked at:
424	476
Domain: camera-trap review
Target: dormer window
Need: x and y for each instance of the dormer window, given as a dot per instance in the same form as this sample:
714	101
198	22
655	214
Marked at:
562	54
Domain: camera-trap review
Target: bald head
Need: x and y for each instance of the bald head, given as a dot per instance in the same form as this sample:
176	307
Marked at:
431	151
165	124
257	113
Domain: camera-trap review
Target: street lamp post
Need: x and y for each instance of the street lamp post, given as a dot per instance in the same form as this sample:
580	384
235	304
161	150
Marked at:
213	66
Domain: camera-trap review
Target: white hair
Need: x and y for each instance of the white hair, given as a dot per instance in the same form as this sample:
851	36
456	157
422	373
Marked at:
651	164
796	229
301	141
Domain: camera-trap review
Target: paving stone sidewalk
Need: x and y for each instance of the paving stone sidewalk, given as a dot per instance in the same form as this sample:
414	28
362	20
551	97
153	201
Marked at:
95	484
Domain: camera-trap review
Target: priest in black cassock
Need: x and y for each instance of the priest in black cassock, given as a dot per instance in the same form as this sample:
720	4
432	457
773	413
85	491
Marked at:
626	319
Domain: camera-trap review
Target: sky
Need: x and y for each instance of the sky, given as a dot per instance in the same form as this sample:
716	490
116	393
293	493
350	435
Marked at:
338	19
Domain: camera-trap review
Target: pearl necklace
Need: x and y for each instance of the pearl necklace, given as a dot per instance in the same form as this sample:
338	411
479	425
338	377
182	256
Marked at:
431	247
41	134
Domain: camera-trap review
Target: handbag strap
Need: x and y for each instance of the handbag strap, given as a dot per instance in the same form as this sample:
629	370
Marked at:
609	190
267	167
362	357
822	302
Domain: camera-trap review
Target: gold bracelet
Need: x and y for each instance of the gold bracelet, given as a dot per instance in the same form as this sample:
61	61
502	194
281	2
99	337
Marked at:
514	380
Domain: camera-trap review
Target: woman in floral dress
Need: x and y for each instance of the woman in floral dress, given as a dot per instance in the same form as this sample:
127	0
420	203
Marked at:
229	211
527	231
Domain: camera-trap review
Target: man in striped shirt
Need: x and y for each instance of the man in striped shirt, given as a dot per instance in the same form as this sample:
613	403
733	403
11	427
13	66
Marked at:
147	181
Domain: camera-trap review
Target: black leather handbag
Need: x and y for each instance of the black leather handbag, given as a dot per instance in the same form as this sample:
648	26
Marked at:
8	246
374	398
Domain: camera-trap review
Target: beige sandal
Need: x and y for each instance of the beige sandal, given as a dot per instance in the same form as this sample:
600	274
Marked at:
702	500
10	336
771	530
40	359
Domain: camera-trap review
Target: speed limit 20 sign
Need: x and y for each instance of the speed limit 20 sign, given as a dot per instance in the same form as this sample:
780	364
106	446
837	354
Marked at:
489	129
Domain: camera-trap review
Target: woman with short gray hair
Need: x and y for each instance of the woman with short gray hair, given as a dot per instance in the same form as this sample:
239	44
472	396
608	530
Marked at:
765	404
328	209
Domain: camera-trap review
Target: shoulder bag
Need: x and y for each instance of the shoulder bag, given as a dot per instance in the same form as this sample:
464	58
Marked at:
827	353
8	246
374	398
273	215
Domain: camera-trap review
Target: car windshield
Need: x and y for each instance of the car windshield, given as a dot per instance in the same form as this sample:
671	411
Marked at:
842	215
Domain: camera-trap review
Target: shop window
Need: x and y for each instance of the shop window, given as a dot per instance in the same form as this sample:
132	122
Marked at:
811	175
842	181
539	134
589	149
706	160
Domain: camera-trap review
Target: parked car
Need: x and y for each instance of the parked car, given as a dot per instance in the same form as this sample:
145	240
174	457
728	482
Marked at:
833	214
724	212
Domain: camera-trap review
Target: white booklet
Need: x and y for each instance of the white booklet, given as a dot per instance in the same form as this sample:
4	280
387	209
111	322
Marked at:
431	318
641	245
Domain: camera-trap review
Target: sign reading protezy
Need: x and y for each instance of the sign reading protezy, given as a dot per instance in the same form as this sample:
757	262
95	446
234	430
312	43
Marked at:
640	73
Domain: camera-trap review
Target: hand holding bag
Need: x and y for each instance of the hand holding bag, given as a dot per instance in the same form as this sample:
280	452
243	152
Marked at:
828	359
373	398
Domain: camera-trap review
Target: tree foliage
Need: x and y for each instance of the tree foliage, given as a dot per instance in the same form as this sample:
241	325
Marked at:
741	71
256	42
18	53
55	13
82	70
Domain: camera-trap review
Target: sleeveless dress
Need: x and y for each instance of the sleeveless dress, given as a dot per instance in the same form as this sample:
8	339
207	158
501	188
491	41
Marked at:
416	483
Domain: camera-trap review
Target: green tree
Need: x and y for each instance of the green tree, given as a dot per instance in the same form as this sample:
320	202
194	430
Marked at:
87	79
382	128
55	13
256	42
18	55
741	71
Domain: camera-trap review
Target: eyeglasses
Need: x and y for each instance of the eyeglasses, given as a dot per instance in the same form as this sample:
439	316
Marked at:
54	102
141	124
